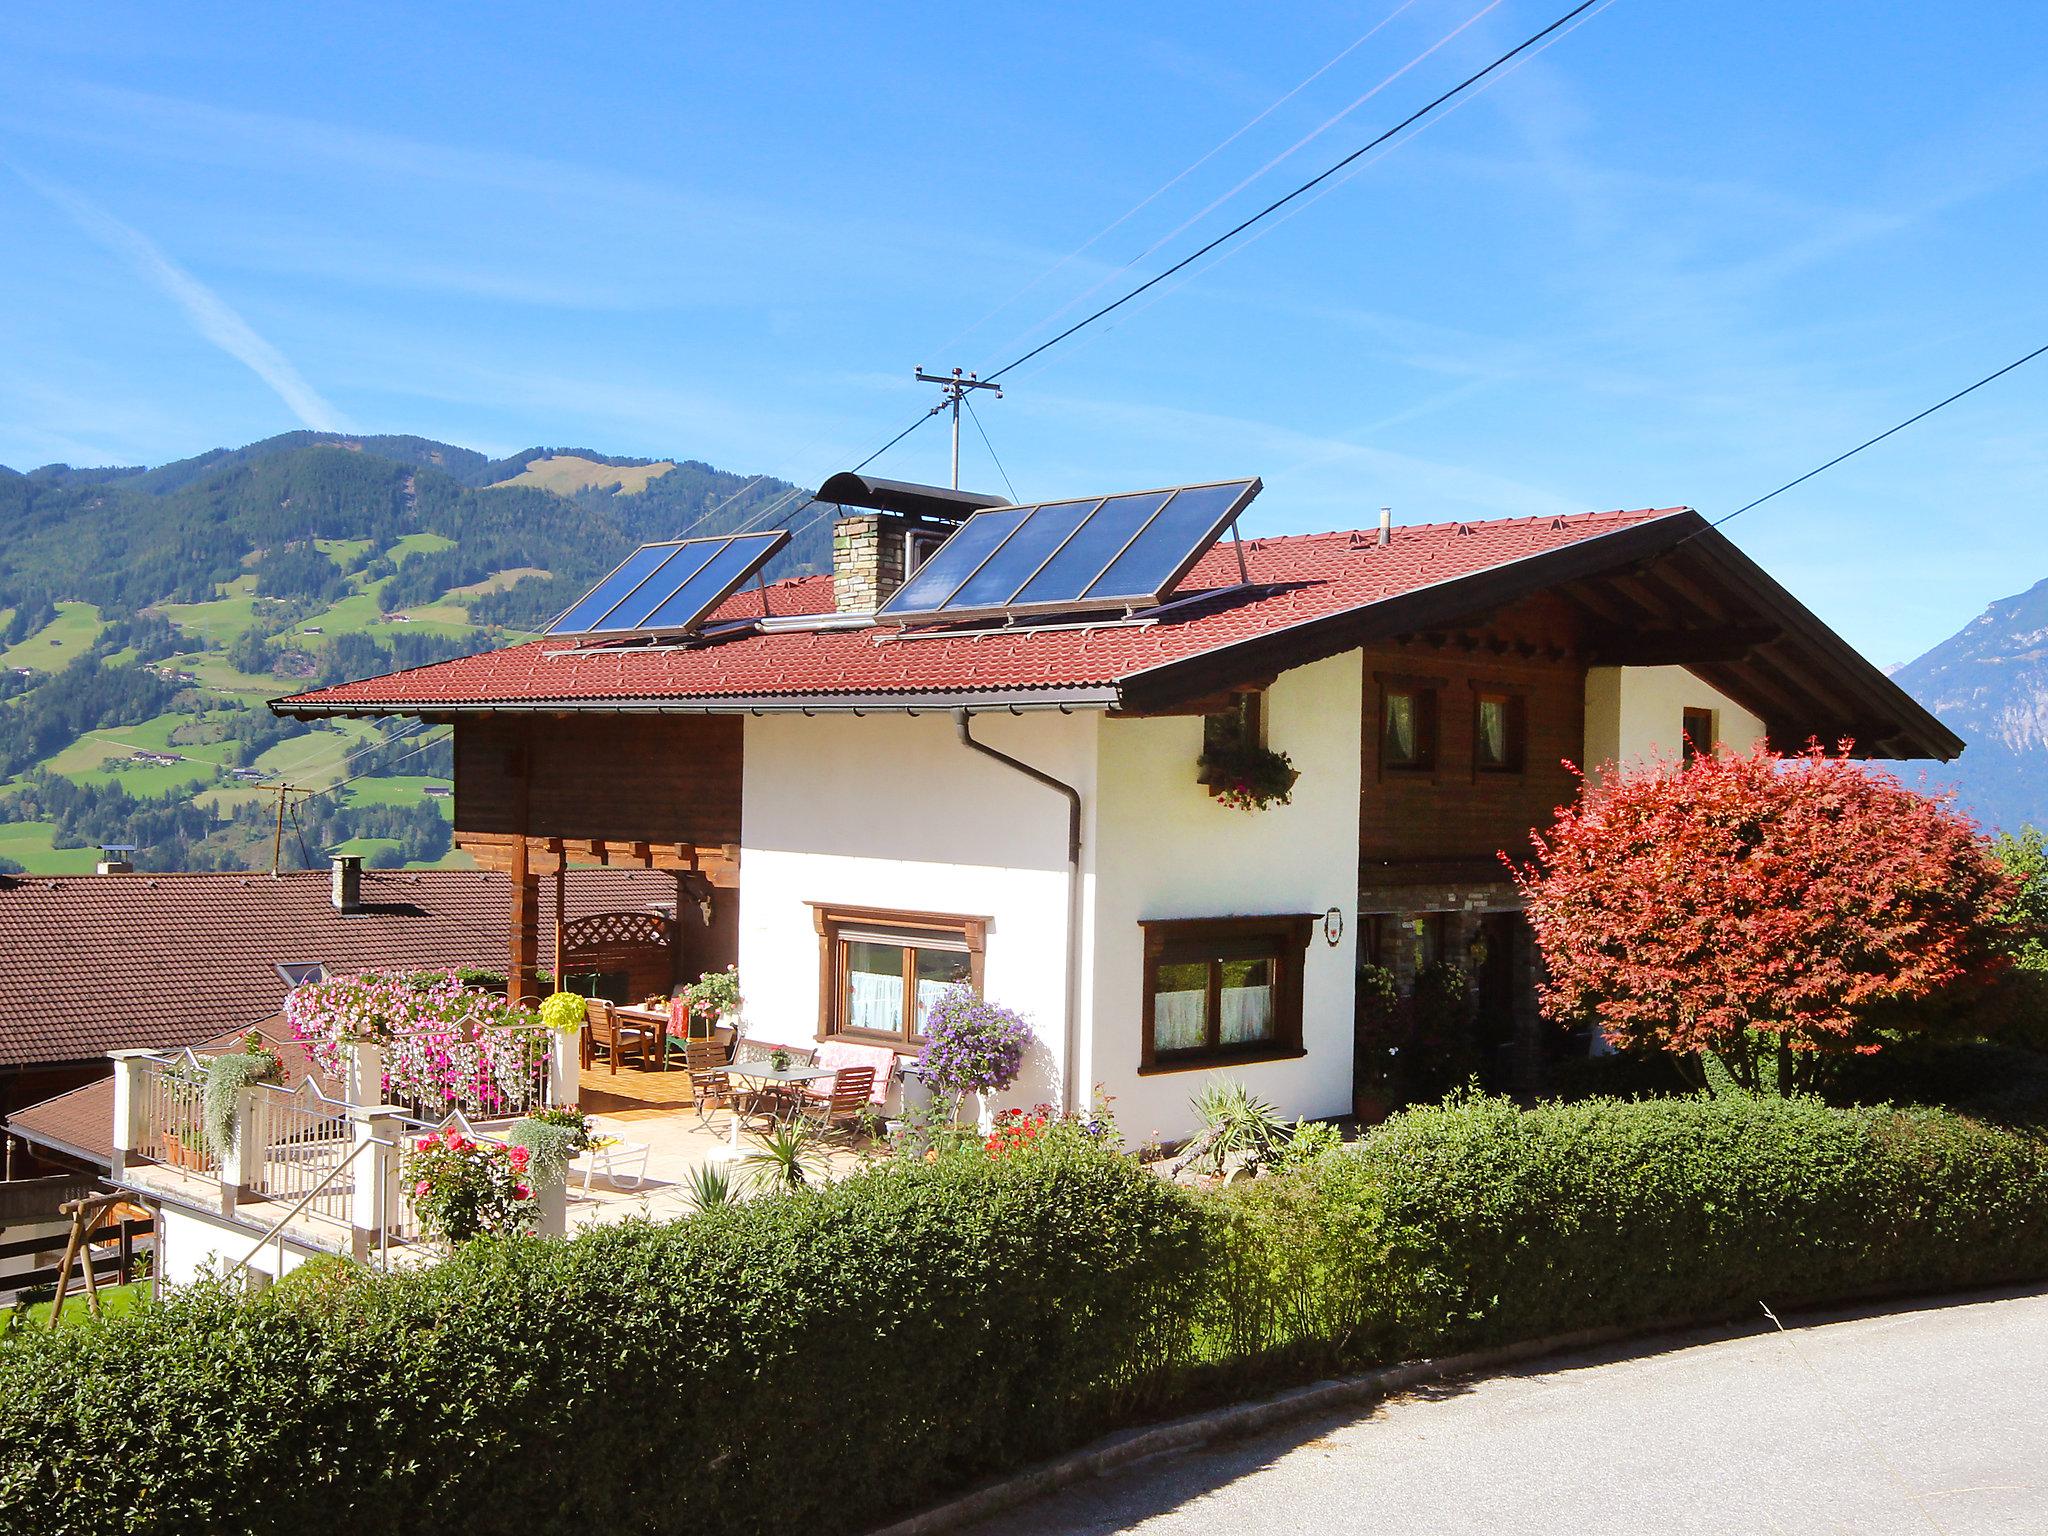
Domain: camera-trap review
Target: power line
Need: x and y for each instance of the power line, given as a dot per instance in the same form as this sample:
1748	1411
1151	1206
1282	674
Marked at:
1280	202
975	417
1872	442
1167	186
1271	164
1360	166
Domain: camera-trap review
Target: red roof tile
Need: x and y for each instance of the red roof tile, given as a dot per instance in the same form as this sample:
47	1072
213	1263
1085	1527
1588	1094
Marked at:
1295	579
94	963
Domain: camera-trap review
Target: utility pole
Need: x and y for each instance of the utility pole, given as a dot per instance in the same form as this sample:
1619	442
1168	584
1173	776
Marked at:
277	839
955	386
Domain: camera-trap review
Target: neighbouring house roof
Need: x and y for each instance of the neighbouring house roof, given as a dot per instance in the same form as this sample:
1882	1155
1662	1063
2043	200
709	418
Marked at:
95	963
80	1123
1307	597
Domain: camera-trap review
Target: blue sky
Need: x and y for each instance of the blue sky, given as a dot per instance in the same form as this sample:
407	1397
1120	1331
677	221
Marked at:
1686	253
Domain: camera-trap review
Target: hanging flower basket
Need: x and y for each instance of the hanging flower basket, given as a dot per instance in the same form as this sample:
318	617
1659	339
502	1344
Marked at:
1247	778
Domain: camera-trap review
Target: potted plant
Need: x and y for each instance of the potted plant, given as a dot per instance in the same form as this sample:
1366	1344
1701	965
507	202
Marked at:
971	1046
461	1188
712	997
1241	774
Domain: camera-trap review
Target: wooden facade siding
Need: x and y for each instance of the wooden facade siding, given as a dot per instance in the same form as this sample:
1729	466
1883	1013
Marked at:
1455	810
608	778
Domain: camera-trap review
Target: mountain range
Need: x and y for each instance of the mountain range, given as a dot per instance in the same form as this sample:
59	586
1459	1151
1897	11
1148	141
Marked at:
146	614
1989	682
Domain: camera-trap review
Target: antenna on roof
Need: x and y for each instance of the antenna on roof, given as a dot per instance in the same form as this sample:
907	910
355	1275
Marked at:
954	386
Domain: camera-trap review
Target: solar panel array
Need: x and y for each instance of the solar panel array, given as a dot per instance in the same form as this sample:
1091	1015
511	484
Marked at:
666	589
1124	551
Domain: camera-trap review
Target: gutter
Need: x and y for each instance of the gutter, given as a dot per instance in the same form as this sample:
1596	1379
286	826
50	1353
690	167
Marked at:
1069	1066
1014	701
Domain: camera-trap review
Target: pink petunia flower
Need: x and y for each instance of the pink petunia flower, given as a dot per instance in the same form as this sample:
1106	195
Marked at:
521	1192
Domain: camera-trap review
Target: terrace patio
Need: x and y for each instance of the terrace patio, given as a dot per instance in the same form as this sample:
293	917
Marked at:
308	1171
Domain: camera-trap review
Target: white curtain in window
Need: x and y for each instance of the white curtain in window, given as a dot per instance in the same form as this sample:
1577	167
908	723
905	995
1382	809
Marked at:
1179	1020
1493	731
877	1002
928	992
1247	1014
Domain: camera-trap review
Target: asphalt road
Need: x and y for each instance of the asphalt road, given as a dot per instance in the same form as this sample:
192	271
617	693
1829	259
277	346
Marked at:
1928	1420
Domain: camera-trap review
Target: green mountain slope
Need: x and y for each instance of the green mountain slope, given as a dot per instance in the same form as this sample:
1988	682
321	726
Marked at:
146	613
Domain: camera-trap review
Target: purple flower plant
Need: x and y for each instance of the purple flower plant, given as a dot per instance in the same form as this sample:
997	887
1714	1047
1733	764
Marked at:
971	1045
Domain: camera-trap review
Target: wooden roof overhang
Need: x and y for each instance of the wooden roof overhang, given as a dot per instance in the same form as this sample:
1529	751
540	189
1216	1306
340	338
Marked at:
1670	592
547	855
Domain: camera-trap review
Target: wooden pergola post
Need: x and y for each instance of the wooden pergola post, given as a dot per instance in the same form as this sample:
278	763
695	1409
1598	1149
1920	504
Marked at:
561	902
525	955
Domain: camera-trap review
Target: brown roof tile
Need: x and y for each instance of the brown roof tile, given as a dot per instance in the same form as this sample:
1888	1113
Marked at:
94	963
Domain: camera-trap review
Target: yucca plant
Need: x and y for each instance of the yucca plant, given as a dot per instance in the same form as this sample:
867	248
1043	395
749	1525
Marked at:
709	1185
1236	1120
786	1160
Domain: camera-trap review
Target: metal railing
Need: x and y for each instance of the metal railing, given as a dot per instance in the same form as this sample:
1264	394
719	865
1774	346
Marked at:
382	1231
305	1138
171	1118
492	1072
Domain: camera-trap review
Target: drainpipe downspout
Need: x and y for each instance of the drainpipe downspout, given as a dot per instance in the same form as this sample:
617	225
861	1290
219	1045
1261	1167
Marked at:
1070	1066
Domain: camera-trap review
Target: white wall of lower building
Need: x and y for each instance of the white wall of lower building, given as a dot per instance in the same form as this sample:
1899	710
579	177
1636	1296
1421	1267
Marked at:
1636	715
1164	849
891	811
191	1244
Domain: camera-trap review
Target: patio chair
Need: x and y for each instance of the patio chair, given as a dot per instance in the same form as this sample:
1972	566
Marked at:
603	1028
847	1098
705	1061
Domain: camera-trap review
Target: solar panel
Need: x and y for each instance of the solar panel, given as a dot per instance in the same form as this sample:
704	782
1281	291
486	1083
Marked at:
1063	556
666	589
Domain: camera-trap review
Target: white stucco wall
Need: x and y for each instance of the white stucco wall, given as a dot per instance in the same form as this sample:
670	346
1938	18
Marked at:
1164	849
190	1245
1635	715
892	811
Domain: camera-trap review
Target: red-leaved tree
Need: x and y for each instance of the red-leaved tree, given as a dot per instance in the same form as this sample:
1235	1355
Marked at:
1769	910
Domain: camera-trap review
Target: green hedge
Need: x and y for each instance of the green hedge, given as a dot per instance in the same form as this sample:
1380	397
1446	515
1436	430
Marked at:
1477	1222
821	1361
810	1363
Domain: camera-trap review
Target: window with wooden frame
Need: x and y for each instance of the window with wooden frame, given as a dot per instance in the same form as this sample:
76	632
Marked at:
1700	732
1407	726
1242	724
1499	731
880	971
1221	990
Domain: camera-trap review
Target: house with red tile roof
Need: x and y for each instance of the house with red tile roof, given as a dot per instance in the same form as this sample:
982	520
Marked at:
96	963
1080	811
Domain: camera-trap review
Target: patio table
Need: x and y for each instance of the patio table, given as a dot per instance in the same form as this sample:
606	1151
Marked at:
612	1160
763	1074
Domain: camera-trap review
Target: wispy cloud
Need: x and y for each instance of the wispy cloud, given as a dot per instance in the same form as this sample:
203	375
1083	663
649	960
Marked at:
210	314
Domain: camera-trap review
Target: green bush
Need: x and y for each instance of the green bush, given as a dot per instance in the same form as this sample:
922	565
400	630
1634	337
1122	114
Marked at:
811	1362
1573	1216
820	1360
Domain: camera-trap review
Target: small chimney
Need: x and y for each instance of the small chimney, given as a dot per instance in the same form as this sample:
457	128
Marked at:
1386	526
874	552
347	885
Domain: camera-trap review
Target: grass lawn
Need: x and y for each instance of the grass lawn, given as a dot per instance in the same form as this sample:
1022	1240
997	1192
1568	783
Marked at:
318	757
222	619
418	544
400	789
343	552
58	643
28	844
114	1300
567	473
